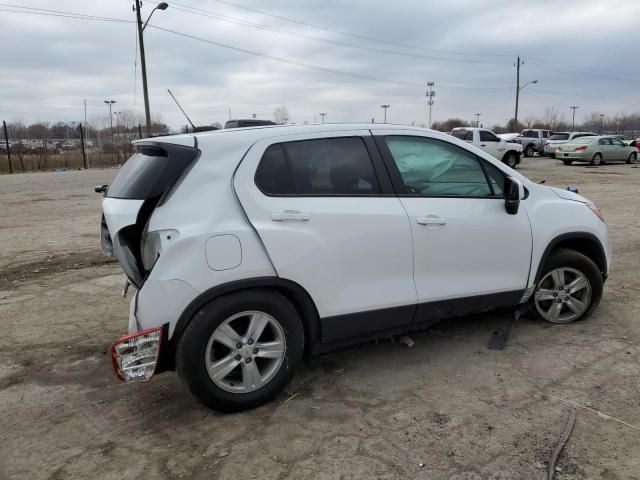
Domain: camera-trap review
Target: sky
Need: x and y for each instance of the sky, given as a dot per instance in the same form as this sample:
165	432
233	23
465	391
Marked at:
245	57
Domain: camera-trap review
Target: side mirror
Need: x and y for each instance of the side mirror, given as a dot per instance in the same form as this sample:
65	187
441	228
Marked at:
513	193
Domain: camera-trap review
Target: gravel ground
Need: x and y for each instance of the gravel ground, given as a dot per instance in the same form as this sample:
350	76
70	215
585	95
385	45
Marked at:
445	408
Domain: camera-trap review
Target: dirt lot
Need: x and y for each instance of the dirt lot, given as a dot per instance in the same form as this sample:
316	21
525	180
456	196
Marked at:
446	408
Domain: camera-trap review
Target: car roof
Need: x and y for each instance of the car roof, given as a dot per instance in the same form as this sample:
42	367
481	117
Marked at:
260	132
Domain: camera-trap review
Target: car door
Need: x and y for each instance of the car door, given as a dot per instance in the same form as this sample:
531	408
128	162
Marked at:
491	144
326	213
619	152
466	245
606	148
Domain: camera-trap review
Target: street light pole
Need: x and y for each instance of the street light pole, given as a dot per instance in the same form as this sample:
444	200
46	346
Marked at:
573	117
384	107
111	102
143	63
601	122
323	114
478	119
430	95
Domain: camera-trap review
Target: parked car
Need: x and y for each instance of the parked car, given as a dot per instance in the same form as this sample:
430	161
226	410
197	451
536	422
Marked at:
508	152
596	150
247	122
558	138
532	140
323	235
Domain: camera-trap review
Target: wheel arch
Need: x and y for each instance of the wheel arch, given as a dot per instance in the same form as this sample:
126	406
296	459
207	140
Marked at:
583	242
295	293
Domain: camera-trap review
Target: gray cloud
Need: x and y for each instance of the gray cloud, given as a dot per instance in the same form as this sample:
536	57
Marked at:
582	53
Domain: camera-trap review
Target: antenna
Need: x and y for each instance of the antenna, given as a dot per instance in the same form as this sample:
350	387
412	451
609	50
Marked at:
183	112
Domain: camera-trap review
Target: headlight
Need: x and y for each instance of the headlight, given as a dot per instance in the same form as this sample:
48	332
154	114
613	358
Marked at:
595	210
154	243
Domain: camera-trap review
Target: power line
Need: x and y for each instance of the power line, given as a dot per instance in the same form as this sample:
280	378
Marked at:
57	13
308	65
238	21
573	71
577	68
354	35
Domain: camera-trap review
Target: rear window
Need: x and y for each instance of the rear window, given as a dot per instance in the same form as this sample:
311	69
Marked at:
530	134
328	166
151	171
463	134
559	136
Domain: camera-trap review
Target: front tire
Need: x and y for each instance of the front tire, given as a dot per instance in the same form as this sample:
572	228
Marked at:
569	289
528	152
511	159
632	157
241	350
596	160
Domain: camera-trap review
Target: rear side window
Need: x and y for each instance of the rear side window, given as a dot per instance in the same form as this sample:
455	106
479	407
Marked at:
559	136
466	135
328	166
530	134
151	171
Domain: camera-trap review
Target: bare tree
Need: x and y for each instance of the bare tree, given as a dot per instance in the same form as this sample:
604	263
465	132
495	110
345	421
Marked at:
449	124
281	115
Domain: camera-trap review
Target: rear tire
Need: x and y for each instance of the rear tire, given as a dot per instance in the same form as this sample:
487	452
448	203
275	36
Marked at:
209	345
567	162
510	159
632	157
568	270
596	160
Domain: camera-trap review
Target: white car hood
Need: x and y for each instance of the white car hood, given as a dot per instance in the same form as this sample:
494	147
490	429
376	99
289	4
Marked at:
508	136
568	195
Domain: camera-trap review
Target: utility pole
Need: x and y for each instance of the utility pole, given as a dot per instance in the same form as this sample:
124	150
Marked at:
85	112
601	122
430	94
384	107
111	102
573	116
143	65
6	142
478	119
323	114
515	117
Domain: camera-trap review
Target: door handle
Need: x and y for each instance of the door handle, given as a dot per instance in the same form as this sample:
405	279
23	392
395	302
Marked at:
290	216
431	220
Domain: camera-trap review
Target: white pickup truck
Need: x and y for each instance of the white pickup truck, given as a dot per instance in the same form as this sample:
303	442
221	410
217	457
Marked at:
507	152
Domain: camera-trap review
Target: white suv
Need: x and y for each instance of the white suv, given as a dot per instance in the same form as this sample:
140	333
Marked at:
251	248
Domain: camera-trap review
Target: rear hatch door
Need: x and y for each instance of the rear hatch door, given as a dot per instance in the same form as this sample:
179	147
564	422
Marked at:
144	182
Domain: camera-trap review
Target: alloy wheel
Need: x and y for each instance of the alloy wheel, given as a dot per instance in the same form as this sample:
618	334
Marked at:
245	351
563	295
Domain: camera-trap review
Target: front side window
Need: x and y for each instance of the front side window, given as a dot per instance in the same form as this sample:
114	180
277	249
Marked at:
488	137
435	168
328	166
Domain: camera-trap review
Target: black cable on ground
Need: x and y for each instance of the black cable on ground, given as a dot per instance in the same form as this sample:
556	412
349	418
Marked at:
560	446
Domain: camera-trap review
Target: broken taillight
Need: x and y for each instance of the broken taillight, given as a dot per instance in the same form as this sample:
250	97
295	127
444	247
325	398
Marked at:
135	356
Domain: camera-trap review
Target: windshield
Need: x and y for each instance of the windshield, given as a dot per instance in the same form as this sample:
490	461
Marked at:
559	136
